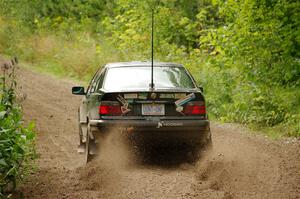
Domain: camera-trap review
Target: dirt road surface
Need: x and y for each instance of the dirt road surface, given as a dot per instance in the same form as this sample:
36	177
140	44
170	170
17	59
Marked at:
242	165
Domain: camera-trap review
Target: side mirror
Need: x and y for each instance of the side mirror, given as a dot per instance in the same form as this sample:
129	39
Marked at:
78	90
201	89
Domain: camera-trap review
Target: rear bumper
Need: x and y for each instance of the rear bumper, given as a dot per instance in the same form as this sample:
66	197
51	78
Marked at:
180	130
160	125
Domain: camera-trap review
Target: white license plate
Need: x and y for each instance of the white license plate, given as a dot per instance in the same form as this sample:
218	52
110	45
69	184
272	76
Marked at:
153	109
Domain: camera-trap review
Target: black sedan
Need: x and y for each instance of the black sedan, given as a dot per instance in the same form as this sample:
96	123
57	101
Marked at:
120	95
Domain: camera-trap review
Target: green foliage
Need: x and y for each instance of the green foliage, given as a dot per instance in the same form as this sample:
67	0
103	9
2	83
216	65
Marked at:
16	140
245	53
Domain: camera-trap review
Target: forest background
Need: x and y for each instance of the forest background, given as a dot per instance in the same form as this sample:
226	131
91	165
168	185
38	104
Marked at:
245	53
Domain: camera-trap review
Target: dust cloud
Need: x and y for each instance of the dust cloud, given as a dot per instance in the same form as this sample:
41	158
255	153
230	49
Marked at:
115	150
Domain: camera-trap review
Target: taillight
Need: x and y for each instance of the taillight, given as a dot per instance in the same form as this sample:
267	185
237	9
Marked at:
195	108
110	110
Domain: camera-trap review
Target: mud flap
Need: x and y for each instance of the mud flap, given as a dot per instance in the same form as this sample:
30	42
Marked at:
82	137
87	151
92	148
81	148
84	128
84	146
88	142
91	145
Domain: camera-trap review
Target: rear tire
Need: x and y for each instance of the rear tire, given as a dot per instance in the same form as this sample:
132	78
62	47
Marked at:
208	144
87	145
80	134
198	149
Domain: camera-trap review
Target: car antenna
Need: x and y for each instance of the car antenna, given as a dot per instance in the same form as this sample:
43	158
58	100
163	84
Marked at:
152	51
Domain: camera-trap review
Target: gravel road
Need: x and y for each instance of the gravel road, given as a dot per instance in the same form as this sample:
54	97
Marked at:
242	164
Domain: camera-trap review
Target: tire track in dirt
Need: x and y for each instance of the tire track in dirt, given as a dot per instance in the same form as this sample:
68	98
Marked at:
240	166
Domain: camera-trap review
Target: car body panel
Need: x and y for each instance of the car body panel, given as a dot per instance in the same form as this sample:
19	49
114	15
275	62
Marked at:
174	124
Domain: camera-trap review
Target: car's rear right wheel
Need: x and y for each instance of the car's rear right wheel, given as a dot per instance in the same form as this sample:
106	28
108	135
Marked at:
198	148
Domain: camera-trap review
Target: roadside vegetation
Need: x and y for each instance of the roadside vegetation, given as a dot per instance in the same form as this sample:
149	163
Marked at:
16	139
244	53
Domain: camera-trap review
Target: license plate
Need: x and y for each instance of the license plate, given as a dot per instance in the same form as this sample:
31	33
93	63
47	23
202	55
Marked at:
153	109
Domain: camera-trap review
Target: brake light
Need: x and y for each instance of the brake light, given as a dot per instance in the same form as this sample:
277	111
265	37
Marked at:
195	108
110	110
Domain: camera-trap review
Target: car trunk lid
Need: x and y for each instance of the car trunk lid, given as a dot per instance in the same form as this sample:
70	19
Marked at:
152	104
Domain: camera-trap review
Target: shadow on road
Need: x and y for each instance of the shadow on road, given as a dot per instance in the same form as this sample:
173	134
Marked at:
163	155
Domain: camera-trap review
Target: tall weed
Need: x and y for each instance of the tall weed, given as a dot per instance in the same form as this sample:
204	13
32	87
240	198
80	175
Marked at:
16	139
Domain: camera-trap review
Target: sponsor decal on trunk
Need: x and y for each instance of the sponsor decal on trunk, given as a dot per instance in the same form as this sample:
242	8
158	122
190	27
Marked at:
142	95
179	95
125	106
130	95
179	103
185	99
167	95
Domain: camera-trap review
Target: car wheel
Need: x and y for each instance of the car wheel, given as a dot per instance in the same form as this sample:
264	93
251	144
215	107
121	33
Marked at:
208	144
200	148
87	145
194	154
80	133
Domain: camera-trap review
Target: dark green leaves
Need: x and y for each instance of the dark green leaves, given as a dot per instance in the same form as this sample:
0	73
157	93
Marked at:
16	141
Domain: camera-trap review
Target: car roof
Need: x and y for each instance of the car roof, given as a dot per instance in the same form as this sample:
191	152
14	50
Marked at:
141	63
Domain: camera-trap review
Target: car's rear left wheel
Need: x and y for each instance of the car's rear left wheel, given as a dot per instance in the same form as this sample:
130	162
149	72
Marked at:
87	144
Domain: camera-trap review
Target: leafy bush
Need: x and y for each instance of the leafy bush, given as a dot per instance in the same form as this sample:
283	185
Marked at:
16	140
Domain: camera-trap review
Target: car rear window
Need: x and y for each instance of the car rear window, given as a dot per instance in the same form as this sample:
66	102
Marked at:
139	77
